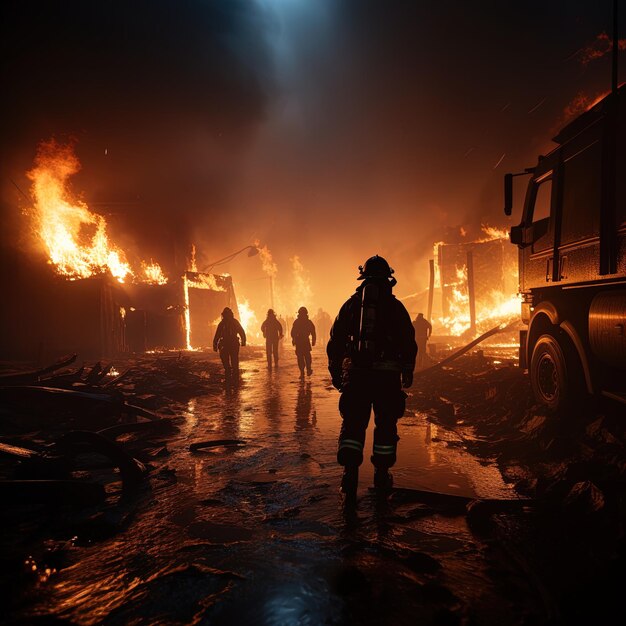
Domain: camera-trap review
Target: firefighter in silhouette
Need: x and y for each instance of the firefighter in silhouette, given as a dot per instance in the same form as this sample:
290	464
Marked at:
371	357
322	322
227	336
273	332
423	329
302	329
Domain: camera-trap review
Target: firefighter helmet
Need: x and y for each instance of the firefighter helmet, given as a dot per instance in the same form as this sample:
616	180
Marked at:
375	267
303	311
227	312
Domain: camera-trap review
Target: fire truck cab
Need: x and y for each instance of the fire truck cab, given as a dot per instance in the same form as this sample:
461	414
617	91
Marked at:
572	260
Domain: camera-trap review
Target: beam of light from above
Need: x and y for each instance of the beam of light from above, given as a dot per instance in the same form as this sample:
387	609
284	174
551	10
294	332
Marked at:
299	24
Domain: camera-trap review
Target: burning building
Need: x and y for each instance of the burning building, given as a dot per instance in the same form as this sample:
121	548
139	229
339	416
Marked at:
80	291
51	315
178	315
205	296
478	282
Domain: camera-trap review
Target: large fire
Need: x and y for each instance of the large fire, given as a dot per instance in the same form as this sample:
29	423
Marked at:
492	233
203	281
302	294
187	314
496	306
248	320
269	266
75	238
152	273
79	245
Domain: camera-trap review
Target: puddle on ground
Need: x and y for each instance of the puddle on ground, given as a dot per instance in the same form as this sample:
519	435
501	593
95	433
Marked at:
257	534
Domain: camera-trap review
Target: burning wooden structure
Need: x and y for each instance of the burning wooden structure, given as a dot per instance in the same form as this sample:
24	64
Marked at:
478	282
51	315
178	315
205	296
79	291
98	317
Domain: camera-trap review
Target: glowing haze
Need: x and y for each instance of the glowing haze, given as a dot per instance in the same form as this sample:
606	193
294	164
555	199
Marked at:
328	130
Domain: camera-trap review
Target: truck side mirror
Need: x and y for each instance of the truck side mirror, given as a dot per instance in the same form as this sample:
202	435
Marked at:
517	235
508	194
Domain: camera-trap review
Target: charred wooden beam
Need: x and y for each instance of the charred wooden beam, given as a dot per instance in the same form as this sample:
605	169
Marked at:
31	377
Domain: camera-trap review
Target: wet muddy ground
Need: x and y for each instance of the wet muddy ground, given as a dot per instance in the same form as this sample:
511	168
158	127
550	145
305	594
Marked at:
255	532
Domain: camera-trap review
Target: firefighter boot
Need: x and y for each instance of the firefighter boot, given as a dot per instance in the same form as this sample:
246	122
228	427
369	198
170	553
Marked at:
350	481
383	480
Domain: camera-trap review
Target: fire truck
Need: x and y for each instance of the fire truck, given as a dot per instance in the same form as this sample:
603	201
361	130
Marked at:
572	260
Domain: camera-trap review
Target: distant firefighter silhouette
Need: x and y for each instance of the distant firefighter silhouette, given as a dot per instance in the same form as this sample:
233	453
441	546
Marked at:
303	338
371	357
423	329
228	334
323	322
272	330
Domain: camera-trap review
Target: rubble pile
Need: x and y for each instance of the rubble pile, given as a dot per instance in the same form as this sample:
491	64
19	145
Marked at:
571	468
78	445
53	419
157	382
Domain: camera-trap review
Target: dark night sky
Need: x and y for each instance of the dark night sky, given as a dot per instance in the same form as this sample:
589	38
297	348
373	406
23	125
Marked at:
332	129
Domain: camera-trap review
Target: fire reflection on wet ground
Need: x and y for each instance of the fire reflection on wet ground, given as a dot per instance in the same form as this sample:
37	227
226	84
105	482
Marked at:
256	534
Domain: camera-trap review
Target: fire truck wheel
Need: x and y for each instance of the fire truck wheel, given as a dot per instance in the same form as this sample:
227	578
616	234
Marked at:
555	373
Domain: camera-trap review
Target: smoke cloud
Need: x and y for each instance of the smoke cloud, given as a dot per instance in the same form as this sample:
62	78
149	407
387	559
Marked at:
162	98
329	130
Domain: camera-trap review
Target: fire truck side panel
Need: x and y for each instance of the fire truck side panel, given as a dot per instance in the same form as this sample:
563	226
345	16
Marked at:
561	242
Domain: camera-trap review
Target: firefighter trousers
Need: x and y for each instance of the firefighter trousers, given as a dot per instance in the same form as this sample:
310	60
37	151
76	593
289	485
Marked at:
271	350
364	391
304	359
230	359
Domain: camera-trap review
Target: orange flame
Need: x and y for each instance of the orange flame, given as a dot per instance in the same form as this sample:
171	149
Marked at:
187	314
302	293
436	257
493	233
192	265
267	261
76	239
192	279
153	274
495	307
203	281
247	317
